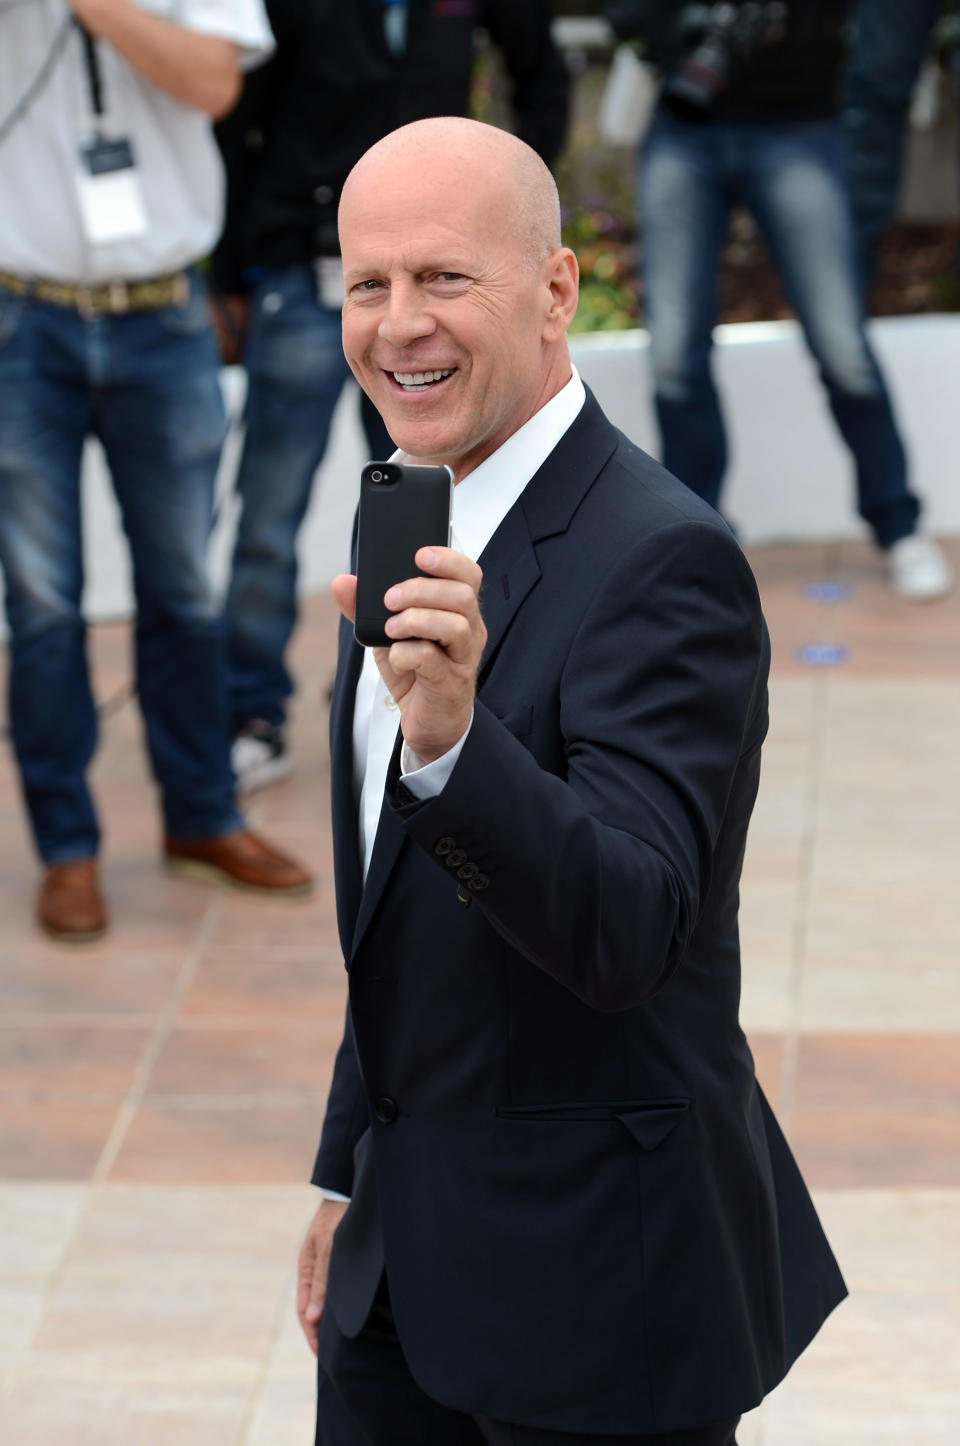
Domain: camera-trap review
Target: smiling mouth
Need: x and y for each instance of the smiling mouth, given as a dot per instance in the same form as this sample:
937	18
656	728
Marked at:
421	381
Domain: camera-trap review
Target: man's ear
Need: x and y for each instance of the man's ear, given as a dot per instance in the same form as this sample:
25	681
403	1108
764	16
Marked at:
562	276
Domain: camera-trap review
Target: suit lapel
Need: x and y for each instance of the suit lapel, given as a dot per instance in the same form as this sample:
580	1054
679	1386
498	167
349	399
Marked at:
386	849
546	506
510	570
347	873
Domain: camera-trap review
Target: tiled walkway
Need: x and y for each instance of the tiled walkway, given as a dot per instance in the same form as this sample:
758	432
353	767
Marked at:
160	1093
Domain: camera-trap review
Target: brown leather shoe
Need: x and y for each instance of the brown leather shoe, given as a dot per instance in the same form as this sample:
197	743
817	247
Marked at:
239	858
70	907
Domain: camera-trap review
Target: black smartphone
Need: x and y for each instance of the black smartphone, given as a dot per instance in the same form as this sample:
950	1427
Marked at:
402	508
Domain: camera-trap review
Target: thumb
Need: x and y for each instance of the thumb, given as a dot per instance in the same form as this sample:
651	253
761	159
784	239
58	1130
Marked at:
344	589
318	1289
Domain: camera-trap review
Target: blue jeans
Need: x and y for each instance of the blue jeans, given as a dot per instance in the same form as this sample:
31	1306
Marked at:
296	371
791	178
890	41
146	385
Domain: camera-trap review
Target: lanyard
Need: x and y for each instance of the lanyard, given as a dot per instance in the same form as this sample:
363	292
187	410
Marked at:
91	58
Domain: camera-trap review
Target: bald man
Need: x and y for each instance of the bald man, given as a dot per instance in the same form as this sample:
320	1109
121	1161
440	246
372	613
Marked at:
563	1210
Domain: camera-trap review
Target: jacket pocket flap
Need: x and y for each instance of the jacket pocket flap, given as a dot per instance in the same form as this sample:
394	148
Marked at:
651	1127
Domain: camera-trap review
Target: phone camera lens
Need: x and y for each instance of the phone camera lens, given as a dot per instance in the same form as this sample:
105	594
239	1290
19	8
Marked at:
376	476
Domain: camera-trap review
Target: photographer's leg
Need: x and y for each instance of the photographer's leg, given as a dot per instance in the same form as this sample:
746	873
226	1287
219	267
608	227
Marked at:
797	191
889	43
683	217
43	419
161	418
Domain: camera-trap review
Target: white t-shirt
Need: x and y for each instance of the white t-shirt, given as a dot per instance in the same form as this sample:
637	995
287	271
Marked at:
41	234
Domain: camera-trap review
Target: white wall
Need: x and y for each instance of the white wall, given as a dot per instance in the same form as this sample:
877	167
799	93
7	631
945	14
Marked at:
790	477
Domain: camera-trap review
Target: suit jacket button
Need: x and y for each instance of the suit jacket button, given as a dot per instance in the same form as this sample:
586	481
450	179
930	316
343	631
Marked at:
478	883
443	846
463	896
385	1110
467	872
455	859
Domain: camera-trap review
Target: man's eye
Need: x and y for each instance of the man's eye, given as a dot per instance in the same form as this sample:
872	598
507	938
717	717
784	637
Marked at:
450	276
370	285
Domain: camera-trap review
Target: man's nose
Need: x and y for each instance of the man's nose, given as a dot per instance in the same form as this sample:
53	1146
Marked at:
407	317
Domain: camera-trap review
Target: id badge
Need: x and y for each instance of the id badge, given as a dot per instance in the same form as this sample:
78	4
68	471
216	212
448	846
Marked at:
329	273
111	193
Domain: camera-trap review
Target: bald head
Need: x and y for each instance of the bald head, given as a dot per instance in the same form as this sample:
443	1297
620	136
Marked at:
458	290
465	153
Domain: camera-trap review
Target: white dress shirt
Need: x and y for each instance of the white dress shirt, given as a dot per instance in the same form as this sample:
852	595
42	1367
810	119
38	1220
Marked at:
181	174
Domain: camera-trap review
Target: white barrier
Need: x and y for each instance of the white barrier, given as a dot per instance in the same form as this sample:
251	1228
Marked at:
790	476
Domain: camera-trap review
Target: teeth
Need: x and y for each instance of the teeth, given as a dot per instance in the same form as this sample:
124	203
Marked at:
420	379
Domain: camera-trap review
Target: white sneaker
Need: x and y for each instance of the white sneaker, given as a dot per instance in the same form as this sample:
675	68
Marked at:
259	755
919	569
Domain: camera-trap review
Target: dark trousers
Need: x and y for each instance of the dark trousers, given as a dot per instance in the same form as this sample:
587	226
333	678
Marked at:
366	1396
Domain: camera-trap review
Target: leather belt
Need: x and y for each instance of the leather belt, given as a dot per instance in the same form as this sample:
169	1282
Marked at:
112	298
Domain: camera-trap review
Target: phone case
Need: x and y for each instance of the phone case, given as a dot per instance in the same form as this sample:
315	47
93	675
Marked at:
402	508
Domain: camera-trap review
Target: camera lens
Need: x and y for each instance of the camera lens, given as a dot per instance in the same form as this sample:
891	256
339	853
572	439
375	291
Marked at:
376	476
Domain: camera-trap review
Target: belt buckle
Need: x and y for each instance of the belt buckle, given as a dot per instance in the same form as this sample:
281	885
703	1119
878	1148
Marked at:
118	298
84	302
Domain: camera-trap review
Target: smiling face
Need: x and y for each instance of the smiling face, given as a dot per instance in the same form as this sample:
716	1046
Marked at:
456	311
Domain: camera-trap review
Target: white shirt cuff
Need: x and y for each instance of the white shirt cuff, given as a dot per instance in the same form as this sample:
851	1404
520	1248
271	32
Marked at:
334	1195
426	780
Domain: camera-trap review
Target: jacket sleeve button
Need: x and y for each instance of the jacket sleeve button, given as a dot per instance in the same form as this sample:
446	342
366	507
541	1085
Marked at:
385	1110
443	846
468	871
455	859
478	883
463	896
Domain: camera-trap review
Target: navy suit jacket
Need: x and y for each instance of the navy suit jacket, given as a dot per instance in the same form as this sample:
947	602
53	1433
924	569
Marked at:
544	1108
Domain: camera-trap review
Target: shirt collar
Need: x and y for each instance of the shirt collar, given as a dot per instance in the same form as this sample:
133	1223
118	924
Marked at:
484	497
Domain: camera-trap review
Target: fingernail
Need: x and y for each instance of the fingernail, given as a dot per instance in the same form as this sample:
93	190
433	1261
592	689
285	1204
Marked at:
391	598
429	557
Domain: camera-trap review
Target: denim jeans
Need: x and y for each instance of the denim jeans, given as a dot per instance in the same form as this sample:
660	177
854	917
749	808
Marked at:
146	385
890	41
792	179
296	371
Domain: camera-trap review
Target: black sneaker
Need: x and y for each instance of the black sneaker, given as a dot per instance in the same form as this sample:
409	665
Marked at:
259	755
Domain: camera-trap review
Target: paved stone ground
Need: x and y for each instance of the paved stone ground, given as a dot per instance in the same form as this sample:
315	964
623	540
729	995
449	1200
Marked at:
162	1091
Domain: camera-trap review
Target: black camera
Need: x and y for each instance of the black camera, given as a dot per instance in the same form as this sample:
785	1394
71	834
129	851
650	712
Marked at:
719	41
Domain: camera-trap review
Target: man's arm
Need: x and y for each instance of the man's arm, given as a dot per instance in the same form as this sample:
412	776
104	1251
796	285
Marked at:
598	876
201	70
520	29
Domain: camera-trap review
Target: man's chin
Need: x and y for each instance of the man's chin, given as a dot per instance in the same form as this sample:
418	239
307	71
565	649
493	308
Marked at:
429	444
